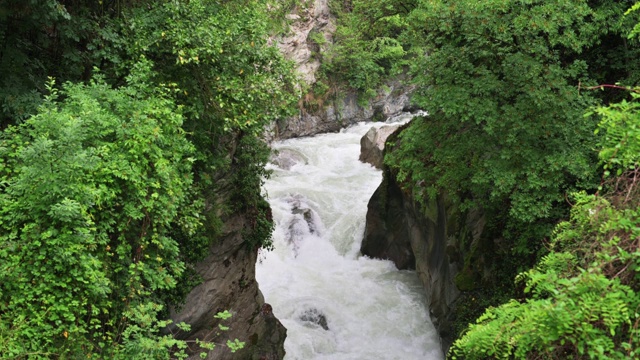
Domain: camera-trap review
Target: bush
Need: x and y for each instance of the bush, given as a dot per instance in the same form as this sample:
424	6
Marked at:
92	185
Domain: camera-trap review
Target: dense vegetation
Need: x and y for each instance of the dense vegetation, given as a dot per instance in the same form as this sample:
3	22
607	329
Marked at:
507	84
583	296
130	129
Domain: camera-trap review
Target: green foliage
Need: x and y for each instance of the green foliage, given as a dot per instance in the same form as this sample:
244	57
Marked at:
218	55
232	84
92	186
620	146
112	190
505	130
45	38
635	32
503	82
367	50
583	297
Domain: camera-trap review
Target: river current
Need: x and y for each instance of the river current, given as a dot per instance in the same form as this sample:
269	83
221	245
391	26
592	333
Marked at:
335	303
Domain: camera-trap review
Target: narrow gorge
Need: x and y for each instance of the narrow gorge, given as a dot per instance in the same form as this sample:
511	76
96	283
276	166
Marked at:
319	179
335	303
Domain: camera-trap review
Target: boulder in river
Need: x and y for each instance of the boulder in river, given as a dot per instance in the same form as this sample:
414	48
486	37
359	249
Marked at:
287	158
304	222
372	145
315	317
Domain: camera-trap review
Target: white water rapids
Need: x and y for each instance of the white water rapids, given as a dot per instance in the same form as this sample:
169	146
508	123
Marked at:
336	304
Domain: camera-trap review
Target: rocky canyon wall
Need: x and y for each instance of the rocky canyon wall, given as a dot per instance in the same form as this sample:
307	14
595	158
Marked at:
229	283
312	28
228	271
435	239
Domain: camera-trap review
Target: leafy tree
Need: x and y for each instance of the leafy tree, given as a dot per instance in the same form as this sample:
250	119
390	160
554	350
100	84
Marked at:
232	85
583	296
505	130
113	188
506	83
59	38
91	187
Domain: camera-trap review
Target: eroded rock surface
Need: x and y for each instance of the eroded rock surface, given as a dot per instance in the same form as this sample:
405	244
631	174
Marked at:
372	145
312	27
229	284
431	238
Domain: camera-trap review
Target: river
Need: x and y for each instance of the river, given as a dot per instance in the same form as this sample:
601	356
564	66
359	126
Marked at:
335	303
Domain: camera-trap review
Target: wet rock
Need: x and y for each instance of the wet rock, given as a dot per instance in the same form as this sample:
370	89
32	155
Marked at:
372	145
228	274
435	238
314	317
386	234
305	222
287	158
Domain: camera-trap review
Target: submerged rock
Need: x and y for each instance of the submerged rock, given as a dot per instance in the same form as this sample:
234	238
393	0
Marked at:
287	158
314	317
304	222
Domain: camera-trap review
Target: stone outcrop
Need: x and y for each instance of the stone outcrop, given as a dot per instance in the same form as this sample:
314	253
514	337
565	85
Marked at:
372	144
229	284
398	230
228	281
435	239
311	34
342	112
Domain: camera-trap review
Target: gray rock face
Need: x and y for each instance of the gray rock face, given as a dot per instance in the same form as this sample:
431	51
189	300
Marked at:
396	229
386	234
372	145
342	112
433	239
229	284
312	27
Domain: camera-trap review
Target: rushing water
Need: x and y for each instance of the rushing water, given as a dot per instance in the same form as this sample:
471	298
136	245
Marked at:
336	304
